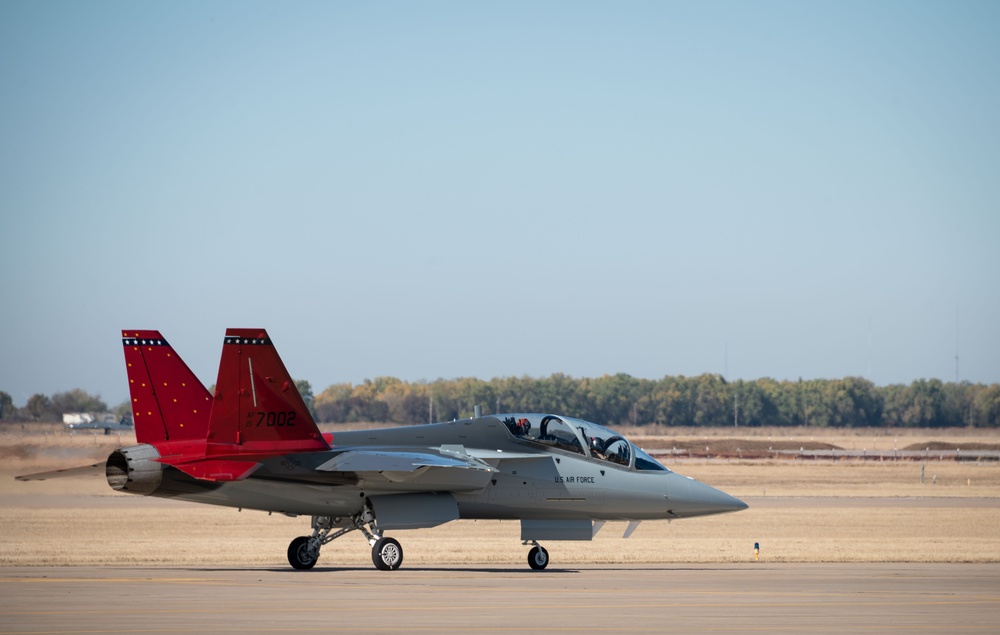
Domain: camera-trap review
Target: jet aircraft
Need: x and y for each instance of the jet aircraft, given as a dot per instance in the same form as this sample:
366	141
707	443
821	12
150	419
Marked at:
254	445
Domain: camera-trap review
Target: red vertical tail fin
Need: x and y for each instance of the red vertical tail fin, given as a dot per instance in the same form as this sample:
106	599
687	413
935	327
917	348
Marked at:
169	403
256	404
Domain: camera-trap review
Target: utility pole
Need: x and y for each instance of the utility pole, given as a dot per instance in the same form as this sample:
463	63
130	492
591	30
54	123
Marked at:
736	409
956	344
869	348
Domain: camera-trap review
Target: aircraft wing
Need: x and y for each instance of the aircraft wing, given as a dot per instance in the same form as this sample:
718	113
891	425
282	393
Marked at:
387	460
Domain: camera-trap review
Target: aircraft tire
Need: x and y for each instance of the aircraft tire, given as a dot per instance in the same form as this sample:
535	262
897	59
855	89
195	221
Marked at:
299	555
538	558
387	554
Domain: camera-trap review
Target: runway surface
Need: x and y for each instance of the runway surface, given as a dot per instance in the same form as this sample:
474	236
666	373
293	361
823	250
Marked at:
738	598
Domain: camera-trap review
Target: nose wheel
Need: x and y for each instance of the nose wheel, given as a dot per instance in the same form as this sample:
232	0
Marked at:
387	554
538	558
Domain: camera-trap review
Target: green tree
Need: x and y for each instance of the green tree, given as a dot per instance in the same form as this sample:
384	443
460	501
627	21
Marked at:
780	402
853	402
7	409
664	403
77	400
710	404
987	406
39	408
752	404
613	398
815	403
518	394
559	393
959	400
925	406
469	392
305	389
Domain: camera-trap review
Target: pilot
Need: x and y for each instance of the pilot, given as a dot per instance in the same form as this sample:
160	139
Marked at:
523	426
597	448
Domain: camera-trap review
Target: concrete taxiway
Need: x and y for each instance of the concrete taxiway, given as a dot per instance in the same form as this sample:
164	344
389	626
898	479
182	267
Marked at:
738	598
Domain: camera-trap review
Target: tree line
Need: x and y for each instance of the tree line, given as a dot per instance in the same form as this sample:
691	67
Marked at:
51	408
703	401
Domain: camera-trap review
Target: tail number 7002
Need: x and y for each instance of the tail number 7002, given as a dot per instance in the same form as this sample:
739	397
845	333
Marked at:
271	419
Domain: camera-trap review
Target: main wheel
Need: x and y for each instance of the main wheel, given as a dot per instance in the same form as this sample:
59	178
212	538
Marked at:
299	555
387	554
538	558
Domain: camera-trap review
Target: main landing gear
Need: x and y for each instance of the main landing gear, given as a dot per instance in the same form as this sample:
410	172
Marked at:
303	552
387	553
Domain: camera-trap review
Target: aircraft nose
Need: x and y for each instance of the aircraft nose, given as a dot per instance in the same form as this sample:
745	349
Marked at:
689	497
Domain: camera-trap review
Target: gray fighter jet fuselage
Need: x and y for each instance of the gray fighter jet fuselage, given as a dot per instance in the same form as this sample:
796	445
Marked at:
556	473
562	477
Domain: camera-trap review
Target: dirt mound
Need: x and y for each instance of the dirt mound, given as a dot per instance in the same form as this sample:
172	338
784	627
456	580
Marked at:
38	454
21	451
944	445
746	448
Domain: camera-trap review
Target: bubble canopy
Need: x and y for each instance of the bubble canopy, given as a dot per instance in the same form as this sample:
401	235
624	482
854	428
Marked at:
580	437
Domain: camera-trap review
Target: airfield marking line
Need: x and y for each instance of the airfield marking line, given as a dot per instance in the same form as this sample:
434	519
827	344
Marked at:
417	582
419	585
529	629
523	607
103	580
356	587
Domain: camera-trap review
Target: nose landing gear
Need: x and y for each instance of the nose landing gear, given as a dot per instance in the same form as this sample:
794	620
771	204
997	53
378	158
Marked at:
387	554
538	557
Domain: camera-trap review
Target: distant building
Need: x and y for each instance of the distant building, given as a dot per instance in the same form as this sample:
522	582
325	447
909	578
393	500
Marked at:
106	421
76	418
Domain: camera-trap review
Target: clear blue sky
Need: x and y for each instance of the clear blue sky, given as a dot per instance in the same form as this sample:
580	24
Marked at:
447	189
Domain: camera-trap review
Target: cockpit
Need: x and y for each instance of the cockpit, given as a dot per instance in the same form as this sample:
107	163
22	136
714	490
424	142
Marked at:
580	437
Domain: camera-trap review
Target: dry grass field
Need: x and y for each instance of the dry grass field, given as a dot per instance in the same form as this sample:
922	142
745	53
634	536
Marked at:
817	511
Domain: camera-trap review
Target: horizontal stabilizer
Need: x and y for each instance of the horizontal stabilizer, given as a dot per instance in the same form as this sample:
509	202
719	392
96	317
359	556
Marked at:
219	469
401	461
96	468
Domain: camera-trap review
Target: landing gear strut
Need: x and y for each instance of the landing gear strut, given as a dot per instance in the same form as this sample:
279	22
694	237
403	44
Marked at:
303	552
538	557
